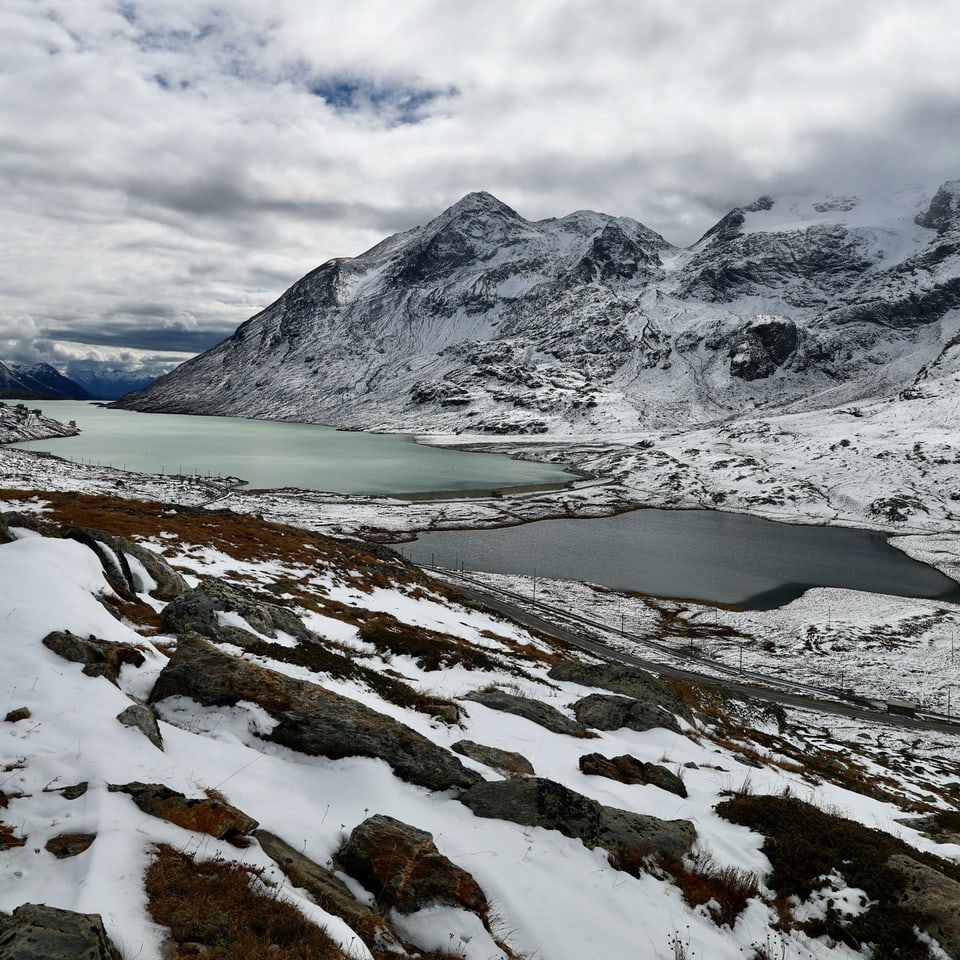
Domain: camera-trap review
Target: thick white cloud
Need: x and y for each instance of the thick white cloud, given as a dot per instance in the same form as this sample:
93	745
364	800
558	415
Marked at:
168	168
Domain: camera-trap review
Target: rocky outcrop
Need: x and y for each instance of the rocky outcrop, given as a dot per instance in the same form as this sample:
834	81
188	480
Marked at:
196	612
211	815
38	932
627	769
933	895
69	844
309	718
608	712
403	869
534	710
101	658
627	681
142	718
537	802
506	761
332	895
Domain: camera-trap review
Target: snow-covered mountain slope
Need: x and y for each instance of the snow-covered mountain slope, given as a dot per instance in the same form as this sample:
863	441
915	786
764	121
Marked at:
39	381
481	321
122	774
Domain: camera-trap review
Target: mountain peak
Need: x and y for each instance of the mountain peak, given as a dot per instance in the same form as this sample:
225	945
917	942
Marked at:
480	203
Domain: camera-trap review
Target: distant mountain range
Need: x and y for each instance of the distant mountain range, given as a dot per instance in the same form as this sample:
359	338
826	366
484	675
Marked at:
95	381
482	321
38	382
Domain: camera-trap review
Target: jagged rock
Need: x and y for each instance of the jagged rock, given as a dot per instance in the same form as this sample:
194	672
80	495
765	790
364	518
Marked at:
607	711
101	658
627	769
204	815
142	718
169	583
72	792
17	714
513	764
38	932
196	612
69	844
332	894
402	867
312	720
934	895
628	681
533	710
537	802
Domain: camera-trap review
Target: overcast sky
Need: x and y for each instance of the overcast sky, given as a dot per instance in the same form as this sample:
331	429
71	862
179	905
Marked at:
169	167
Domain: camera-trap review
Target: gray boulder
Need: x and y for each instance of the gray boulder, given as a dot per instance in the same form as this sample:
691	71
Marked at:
38	932
142	718
528	708
537	802
506	761
196	612
312	720
627	681
935	896
608	712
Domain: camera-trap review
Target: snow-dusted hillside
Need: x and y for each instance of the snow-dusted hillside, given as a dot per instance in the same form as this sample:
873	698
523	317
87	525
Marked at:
484	322
803	839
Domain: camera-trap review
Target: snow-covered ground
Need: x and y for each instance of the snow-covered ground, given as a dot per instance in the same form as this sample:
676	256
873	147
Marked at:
557	898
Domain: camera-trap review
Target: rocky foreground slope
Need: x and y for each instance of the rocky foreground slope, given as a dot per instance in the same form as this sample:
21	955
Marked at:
228	738
483	322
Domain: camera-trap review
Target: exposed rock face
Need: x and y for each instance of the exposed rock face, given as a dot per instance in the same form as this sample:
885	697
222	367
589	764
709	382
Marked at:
142	718
537	802
483	321
627	769
101	658
936	896
311	720
204	814
628	681
608	712
69	844
38	932
533	710
402	867
506	761
196	611
332	895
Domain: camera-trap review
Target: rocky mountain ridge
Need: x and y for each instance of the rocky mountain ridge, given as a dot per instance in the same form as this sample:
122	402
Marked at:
38	382
481	321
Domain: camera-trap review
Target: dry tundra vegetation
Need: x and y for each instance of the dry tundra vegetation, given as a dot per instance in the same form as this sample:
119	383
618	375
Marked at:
224	909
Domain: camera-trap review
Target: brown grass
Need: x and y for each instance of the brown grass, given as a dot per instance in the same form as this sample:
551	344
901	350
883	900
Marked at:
215	905
7	839
727	890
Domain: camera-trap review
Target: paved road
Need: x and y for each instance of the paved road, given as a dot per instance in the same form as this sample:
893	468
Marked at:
805	700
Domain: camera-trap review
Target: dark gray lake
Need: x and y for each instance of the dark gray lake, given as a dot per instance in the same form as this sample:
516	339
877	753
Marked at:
694	554
268	453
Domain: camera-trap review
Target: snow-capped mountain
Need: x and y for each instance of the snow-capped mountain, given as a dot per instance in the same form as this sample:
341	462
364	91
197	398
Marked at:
482	321
40	381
